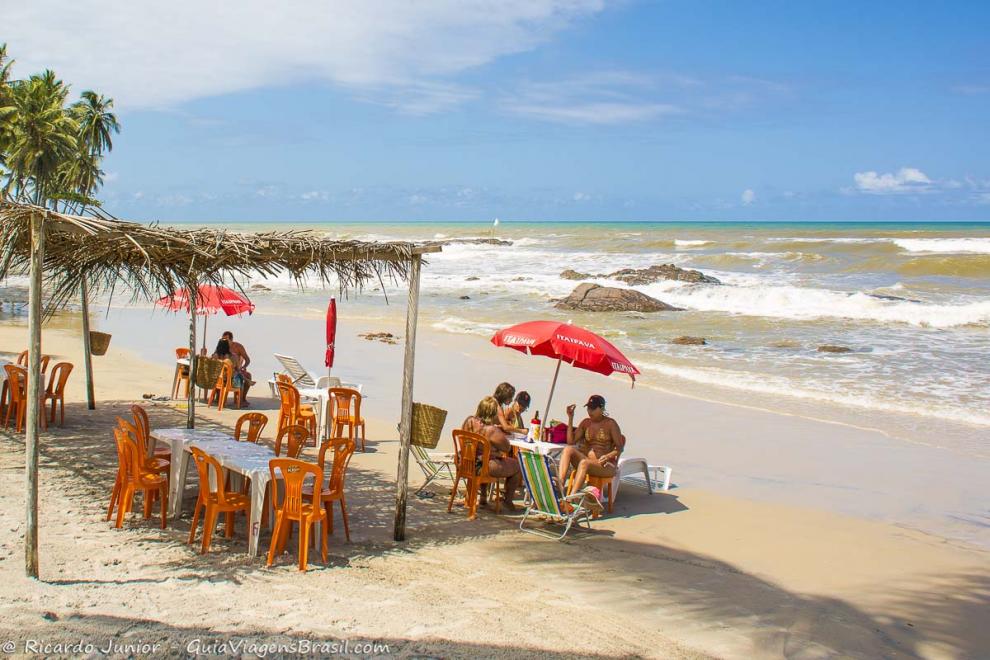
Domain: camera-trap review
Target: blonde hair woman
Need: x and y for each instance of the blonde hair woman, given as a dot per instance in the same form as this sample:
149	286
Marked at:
501	463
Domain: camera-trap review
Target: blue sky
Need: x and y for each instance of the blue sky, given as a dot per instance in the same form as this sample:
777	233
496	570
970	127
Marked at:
532	109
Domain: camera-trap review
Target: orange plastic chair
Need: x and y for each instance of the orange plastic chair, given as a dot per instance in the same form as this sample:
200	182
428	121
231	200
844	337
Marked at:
181	373
472	456
292	411
256	423
294	437
224	387
143	425
56	390
17	380
293	508
134	478
22	361
149	461
345	410
343	449
214	500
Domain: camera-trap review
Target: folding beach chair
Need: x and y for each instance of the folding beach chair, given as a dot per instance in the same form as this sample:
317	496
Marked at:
303	379
436	466
546	500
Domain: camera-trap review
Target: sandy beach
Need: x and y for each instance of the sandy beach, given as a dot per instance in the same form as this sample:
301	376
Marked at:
779	539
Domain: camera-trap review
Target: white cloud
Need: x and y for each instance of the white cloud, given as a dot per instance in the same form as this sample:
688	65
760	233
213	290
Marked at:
162	54
581	197
747	197
605	97
906	179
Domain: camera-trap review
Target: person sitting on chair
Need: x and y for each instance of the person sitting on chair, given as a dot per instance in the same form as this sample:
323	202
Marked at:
511	417
593	447
501	464
241	362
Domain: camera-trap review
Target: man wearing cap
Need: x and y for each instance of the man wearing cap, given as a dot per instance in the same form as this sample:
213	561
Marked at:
601	438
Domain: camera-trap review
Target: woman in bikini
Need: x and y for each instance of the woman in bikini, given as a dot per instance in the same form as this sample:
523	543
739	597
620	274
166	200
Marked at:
593	448
501	463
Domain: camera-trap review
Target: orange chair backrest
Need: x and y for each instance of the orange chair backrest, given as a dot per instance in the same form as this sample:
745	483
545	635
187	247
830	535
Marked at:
343	449
128	452
17	379
294	473
345	403
226	377
204	464
135	433
289	396
22	360
295	436
181	353
59	376
472	449
142	423
255	422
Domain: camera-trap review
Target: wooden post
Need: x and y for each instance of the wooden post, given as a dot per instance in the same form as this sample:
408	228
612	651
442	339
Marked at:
87	352
191	398
405	428
33	394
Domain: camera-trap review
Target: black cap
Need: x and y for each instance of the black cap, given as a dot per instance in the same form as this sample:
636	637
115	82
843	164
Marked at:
595	401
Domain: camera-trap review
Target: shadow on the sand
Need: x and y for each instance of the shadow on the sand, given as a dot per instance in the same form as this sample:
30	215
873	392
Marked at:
945	614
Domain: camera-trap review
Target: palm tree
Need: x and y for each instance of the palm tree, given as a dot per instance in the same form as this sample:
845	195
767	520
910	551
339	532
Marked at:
42	138
6	108
94	113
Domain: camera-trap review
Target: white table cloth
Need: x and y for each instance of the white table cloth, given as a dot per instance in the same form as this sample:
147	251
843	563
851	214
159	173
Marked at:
245	458
546	448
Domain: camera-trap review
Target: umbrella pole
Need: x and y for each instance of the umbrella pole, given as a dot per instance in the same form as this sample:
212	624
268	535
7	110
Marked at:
553	386
205	319
191	397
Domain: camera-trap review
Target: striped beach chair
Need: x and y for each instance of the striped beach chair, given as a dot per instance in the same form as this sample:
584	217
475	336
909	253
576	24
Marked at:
545	498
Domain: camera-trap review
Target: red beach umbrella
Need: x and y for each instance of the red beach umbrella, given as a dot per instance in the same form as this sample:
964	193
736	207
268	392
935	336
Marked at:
567	343
210	299
331	332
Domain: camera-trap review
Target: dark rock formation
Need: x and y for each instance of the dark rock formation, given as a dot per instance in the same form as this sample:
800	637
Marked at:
575	275
594	298
259	287
639	276
384	337
832	348
685	340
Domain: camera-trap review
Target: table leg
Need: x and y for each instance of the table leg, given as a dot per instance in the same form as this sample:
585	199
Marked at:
254	519
179	469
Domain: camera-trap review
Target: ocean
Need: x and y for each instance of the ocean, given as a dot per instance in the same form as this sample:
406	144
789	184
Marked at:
911	301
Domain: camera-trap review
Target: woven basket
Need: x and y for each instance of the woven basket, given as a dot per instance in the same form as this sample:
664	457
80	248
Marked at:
207	372
99	342
427	425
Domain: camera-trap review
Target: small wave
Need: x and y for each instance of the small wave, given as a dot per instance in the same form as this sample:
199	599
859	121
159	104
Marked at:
959	265
800	303
945	245
780	386
461	326
690	243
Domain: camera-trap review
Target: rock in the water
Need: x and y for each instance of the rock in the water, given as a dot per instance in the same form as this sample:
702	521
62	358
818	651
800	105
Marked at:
472	278
465	297
575	275
384	337
589	297
259	287
833	348
468	241
685	340
639	276
521	279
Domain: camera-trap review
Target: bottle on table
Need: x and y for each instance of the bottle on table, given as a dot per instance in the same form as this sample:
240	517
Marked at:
535	429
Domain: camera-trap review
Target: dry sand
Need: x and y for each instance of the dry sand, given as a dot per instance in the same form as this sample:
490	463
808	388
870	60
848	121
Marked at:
685	574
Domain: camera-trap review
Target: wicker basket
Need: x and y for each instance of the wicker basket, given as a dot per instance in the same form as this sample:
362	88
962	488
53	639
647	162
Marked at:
99	342
427	425
207	372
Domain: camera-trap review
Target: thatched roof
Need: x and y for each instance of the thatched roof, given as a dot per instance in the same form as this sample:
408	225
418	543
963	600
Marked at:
155	261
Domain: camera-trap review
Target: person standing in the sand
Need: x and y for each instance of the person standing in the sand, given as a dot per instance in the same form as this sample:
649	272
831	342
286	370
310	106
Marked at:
594	447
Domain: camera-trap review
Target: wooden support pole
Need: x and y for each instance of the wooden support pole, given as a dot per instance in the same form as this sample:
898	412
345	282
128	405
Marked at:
191	398
33	394
87	352
405	428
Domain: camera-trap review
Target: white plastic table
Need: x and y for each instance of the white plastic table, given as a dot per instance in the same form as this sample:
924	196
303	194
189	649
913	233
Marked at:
550	449
245	458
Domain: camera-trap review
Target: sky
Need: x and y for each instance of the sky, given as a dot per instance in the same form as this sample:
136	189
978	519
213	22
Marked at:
397	110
